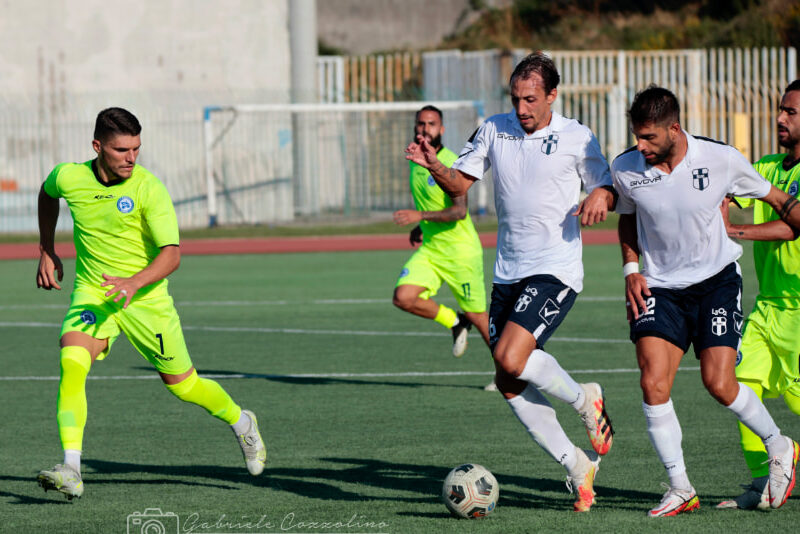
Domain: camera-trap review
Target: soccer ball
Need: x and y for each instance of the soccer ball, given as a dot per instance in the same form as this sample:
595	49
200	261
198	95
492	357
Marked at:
470	491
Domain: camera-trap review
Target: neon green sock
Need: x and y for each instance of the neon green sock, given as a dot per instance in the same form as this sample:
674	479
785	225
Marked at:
753	448
446	317
72	408
209	395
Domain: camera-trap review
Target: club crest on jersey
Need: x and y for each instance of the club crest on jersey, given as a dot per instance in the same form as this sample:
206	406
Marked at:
738	357
550	144
793	188
125	204
719	325
700	179
88	317
522	303
404	273
431	181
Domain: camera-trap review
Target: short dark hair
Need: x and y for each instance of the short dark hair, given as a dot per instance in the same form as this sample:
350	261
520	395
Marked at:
430	108
540	64
794	86
655	104
115	121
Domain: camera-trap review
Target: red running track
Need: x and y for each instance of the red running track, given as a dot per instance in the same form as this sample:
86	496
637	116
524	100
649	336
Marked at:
277	245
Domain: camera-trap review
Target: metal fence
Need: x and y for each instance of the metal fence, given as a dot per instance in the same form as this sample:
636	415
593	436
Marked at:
729	94
725	94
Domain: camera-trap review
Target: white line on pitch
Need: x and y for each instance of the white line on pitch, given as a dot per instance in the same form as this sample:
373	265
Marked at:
264	330
229	303
240	376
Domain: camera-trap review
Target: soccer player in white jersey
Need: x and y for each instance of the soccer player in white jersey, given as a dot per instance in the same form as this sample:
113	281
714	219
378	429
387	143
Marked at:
539	161
671	186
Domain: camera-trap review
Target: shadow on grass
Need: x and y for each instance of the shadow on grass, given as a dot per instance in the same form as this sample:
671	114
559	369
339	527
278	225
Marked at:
344	481
27	499
329	380
96	478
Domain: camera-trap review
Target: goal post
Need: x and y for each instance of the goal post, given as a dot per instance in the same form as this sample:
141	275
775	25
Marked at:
273	163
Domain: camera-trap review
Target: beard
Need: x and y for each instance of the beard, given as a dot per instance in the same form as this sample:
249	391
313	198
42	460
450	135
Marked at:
789	141
661	156
436	142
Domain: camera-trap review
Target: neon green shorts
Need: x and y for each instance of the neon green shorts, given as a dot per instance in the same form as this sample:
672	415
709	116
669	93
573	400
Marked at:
770	348
463	275
150	323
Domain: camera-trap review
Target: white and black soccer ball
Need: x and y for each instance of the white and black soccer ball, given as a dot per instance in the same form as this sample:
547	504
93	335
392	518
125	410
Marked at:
470	491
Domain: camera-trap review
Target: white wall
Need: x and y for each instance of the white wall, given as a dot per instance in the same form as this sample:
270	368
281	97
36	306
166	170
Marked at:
152	49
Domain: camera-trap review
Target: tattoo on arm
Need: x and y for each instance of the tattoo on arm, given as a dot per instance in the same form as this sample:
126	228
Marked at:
787	207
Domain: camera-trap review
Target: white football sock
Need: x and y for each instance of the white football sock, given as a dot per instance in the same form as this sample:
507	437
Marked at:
544	372
539	419
665	435
754	415
72	458
242	425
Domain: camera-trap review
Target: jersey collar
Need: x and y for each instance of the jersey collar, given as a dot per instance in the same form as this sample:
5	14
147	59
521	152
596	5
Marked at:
557	122
100	180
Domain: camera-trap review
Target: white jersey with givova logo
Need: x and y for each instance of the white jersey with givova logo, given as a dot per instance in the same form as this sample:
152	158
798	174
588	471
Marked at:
682	237
537	185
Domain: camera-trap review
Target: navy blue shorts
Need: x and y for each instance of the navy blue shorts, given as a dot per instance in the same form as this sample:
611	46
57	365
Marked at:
706	314
538	304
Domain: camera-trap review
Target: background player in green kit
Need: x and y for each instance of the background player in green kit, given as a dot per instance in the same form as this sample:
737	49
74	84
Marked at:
768	356
126	239
450	250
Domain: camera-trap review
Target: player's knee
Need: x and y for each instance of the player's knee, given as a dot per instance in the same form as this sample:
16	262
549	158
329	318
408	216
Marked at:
508	360
655	389
403	299
722	389
183	389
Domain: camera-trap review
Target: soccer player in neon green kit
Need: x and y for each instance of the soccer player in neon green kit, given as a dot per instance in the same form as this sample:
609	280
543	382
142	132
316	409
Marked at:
450	250
126	239
768	357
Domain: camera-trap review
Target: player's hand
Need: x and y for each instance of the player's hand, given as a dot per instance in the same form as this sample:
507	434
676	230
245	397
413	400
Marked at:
415	236
124	288
594	208
49	266
422	152
404	217
635	292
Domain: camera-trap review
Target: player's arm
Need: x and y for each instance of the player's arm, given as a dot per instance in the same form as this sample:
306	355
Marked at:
768	231
785	206
49	262
452	181
167	261
635	284
456	212
593	169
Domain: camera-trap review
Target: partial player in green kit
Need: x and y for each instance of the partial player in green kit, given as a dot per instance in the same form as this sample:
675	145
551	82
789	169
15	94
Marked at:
768	357
450	252
126	240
